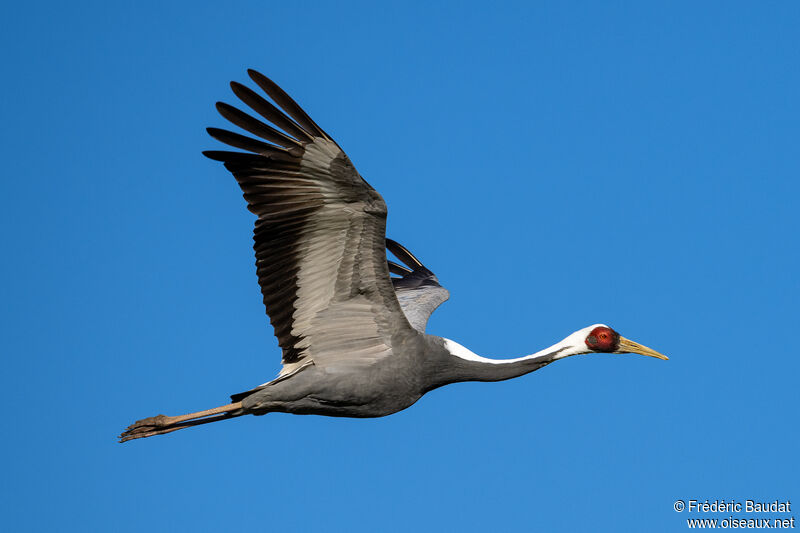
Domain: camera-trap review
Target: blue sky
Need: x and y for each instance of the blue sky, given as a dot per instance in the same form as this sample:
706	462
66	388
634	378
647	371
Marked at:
556	165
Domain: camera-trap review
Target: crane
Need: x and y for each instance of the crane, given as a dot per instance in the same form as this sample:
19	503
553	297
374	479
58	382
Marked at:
350	323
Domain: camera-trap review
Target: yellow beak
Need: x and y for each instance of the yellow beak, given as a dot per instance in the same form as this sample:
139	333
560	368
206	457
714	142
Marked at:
628	346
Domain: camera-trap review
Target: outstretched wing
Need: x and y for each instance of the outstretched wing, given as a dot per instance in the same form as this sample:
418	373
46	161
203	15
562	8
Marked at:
319	237
418	289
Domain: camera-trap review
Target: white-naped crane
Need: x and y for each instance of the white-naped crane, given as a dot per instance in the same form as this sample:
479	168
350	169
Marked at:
352	336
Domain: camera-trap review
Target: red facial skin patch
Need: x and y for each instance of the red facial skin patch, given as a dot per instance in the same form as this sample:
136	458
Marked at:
603	339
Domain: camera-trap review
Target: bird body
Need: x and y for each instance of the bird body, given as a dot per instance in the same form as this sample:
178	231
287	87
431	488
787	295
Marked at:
382	388
352	336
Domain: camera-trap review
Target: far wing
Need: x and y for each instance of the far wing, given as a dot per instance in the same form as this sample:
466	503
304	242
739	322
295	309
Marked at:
418	289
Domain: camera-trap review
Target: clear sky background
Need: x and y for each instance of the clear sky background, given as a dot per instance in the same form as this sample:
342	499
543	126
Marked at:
556	164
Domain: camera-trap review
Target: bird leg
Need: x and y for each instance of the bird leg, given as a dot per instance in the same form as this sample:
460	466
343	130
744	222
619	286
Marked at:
161	424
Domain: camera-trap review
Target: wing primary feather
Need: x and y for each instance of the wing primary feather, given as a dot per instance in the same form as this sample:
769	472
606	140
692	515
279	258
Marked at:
232	157
251	145
286	103
400	270
403	254
269	111
255	126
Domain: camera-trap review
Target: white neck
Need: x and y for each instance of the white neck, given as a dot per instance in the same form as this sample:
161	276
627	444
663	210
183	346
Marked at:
572	345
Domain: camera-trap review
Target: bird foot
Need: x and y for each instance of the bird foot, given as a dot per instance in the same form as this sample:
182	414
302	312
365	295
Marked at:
146	427
161	424
153	421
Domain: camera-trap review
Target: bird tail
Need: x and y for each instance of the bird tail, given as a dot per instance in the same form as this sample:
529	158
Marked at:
161	425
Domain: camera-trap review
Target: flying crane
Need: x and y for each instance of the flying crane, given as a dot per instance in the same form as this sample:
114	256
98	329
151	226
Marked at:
350	323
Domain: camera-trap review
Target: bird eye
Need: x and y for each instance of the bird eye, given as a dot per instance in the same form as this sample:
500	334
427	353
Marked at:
602	339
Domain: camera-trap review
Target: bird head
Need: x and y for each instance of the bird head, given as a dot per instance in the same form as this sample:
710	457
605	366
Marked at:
600	338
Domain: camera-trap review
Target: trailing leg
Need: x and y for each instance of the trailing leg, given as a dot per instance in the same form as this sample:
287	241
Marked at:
160	424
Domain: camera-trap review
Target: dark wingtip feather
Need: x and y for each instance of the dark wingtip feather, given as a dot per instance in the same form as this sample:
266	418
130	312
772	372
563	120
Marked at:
403	254
227	157
289	106
256	127
261	106
216	155
246	143
400	270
